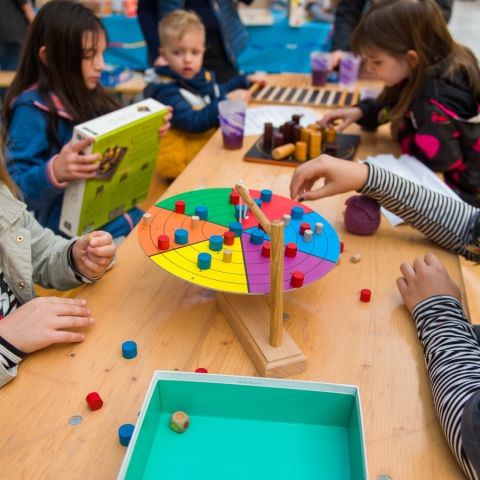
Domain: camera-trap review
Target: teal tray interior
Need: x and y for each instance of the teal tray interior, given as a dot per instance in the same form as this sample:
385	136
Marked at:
248	431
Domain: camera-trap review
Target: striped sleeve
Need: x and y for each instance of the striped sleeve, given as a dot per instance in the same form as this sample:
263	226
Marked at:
452	356
10	357
447	221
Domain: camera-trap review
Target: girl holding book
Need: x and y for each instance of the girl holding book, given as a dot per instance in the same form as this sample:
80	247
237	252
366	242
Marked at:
56	87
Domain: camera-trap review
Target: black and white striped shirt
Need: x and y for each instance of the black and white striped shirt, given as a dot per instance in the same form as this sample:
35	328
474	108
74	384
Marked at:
10	356
451	348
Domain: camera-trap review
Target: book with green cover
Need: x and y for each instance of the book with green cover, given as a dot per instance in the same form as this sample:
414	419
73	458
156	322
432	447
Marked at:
127	140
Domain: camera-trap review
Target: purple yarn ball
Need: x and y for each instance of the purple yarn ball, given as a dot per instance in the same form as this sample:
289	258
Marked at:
362	215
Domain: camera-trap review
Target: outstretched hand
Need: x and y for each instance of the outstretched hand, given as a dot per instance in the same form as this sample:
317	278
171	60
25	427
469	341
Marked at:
425	278
339	176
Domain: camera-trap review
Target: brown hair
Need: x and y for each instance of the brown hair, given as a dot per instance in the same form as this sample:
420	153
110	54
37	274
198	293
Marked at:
177	24
5	177
397	26
59	26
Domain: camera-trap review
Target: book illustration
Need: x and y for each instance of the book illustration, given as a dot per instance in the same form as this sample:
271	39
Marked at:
110	161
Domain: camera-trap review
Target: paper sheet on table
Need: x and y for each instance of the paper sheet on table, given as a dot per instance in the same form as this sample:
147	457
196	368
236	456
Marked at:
258	116
412	169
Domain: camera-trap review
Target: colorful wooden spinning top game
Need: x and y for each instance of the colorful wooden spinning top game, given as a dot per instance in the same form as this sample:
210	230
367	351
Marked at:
240	241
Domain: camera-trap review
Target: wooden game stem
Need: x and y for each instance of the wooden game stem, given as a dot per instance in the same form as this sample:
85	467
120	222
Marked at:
276	283
254	208
275	230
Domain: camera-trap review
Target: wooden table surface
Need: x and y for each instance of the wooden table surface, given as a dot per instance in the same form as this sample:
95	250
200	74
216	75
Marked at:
178	326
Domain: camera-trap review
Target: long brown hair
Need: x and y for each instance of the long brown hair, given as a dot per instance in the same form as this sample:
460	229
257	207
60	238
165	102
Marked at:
397	26
5	177
60	26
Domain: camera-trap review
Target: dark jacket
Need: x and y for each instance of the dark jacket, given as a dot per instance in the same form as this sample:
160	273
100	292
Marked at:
171	89
224	12
436	130
13	22
349	12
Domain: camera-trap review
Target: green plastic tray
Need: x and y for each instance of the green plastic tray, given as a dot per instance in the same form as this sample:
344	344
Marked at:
247	428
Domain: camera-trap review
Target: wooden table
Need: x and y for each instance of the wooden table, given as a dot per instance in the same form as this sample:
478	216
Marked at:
178	326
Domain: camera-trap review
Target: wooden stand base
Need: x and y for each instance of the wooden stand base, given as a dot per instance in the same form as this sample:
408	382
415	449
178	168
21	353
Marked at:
248	318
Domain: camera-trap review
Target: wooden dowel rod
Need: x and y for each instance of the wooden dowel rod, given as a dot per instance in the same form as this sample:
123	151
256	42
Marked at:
276	283
259	215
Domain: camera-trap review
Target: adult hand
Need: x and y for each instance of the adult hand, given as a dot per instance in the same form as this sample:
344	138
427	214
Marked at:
93	253
41	322
339	176
426	278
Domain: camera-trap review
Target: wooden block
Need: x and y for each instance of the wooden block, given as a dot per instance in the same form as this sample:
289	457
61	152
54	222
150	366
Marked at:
249	320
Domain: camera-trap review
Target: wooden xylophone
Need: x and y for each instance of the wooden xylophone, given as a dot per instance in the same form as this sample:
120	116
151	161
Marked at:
311	96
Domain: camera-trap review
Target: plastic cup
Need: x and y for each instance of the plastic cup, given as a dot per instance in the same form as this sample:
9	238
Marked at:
349	68
319	62
231	114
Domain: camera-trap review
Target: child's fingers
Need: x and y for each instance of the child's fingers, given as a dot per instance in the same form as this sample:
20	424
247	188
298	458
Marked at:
68	309
99	238
91	158
60	336
407	270
432	260
73	321
402	285
101	256
79	146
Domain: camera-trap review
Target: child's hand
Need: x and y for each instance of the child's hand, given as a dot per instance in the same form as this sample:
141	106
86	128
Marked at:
259	78
162	131
346	115
239	95
70	164
340	176
93	253
40	323
426	278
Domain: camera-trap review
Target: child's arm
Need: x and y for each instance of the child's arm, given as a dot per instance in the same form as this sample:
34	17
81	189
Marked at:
451	348
184	116
235	83
56	261
28	154
450	223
